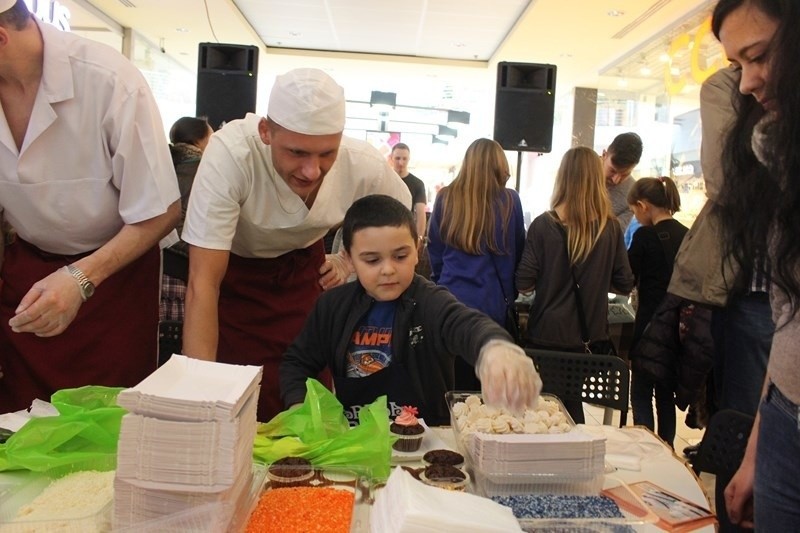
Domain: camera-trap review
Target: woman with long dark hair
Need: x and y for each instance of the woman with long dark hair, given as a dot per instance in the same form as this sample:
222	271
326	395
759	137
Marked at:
760	37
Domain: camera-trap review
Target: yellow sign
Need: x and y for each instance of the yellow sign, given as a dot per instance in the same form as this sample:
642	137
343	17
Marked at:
676	82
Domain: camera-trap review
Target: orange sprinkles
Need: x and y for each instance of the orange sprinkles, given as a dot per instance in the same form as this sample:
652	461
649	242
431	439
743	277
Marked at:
303	510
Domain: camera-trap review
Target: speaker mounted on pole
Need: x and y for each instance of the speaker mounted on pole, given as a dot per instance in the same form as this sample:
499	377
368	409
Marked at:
227	76
525	106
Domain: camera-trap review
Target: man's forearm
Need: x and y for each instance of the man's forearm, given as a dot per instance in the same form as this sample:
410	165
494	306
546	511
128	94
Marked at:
419	210
128	244
201	324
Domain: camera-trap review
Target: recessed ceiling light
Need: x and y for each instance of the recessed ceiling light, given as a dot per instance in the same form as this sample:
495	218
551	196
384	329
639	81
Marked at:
295	34
615	13
459	45
664	58
645	71
182	30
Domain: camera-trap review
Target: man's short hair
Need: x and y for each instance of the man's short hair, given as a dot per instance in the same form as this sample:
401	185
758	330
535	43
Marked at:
625	150
17	16
401	146
376	211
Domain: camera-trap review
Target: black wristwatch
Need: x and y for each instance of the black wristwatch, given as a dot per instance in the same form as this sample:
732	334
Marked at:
86	286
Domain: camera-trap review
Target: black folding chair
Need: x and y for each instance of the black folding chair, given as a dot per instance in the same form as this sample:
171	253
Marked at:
724	442
170	339
592	378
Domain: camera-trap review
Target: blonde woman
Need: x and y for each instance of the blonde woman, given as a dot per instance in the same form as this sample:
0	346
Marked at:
476	236
579	236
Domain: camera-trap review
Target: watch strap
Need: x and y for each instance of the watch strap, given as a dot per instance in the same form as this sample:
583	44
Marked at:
85	285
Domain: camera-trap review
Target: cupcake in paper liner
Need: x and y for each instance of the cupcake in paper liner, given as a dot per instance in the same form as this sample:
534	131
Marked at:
407	429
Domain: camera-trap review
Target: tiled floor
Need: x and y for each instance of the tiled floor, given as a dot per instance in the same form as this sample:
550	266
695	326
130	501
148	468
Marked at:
684	436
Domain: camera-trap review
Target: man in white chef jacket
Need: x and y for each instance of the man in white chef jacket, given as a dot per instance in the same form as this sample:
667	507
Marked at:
87	182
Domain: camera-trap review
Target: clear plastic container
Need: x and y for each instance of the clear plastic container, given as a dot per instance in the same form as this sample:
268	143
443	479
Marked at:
350	479
19	489
596	525
529	464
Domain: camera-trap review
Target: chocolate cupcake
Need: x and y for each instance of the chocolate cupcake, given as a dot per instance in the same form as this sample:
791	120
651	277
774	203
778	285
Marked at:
444	477
408	430
443	457
290	472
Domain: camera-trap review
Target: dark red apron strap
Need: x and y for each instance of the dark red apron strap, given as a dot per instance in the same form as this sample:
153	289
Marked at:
112	341
263	304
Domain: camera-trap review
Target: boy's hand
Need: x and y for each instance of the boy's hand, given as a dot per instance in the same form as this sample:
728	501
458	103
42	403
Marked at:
508	377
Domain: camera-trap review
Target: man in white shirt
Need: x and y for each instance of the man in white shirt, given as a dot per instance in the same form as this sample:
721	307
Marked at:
267	191
87	182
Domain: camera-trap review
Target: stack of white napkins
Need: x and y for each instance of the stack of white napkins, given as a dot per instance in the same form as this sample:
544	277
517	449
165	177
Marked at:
570	454
406	505
187	440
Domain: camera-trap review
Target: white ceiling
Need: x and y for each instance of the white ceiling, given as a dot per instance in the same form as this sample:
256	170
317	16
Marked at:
449	29
579	36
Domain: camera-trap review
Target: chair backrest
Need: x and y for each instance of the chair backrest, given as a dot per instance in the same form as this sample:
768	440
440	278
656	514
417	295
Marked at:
724	442
170	339
591	378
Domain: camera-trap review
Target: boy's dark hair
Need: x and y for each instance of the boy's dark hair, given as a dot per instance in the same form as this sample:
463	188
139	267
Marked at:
375	211
625	150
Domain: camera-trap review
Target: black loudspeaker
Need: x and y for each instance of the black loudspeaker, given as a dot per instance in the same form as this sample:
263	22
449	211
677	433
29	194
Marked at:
226	81
524	106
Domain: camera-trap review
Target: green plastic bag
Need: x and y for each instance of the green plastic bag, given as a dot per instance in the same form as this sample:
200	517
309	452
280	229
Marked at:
82	437
318	431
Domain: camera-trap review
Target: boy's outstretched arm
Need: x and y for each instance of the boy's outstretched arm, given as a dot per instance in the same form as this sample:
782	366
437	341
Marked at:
508	377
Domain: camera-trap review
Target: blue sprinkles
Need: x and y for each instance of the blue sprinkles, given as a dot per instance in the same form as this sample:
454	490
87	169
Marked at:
559	506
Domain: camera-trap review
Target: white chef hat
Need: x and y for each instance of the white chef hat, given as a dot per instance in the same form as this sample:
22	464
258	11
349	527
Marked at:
5	5
307	101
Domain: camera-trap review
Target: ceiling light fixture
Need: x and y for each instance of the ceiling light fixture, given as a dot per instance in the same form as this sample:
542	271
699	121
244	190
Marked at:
457	117
378	98
182	30
444	131
615	13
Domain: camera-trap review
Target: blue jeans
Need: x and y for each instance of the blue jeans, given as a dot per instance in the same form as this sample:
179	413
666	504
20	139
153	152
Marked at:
777	490
642	390
742	334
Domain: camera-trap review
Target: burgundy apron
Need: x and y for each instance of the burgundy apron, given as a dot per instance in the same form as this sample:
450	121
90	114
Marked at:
113	340
263	304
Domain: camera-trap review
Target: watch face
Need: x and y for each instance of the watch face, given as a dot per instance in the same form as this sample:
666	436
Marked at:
88	290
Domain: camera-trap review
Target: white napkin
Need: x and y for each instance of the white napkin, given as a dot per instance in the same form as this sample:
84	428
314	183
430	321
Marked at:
38	409
627	448
406	505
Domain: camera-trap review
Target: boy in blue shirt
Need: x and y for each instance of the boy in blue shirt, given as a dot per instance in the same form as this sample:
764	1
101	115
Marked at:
395	333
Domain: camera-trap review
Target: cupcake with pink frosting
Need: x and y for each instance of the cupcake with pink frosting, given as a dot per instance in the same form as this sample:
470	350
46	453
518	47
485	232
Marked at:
407	429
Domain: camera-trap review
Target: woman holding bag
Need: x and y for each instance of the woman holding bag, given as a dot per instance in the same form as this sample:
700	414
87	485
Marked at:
475	239
574	255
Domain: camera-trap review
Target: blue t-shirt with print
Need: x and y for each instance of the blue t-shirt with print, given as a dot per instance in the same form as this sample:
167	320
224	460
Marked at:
370	348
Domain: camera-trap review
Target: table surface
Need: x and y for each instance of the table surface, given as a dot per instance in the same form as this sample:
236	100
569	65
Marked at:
664	469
